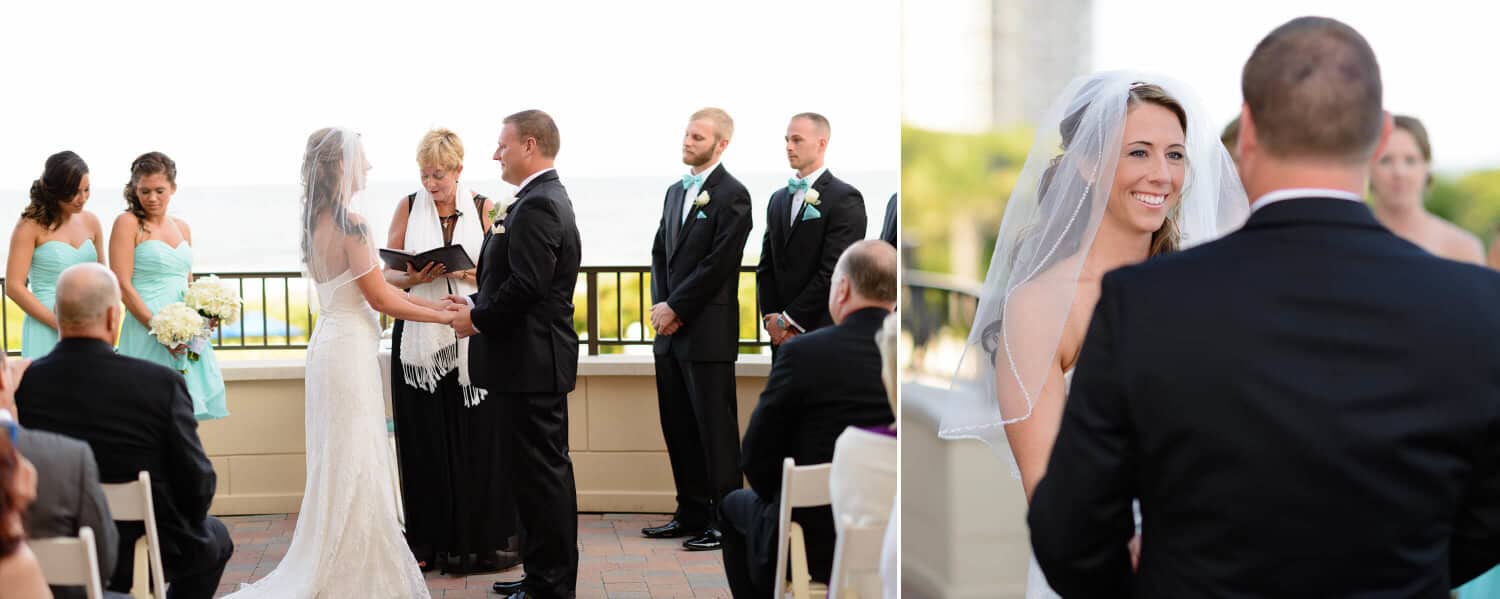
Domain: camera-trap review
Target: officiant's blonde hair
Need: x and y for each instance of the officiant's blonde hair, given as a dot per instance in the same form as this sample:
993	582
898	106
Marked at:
723	125
440	148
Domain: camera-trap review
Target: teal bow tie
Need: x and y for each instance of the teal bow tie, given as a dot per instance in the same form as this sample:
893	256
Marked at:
688	181
793	184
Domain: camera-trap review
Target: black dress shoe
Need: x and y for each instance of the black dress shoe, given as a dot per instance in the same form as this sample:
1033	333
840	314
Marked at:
510	587
671	530
708	541
522	594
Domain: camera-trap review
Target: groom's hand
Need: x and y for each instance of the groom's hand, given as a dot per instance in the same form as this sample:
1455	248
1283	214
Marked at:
449	301
463	323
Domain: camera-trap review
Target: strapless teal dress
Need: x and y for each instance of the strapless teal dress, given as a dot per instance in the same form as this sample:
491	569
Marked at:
47	263
161	278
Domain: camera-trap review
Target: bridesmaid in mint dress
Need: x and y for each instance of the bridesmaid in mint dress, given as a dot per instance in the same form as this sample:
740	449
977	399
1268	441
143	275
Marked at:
152	254
53	233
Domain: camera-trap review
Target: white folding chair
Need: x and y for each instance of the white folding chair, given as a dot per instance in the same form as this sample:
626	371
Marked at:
70	561
856	557
801	486
131	502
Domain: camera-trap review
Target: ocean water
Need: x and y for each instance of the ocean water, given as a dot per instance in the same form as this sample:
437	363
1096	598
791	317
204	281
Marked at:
244	228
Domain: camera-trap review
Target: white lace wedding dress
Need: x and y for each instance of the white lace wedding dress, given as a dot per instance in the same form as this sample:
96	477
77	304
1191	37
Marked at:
348	542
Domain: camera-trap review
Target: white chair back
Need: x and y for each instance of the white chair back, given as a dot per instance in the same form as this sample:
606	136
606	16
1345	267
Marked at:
856	558
801	486
70	561
131	502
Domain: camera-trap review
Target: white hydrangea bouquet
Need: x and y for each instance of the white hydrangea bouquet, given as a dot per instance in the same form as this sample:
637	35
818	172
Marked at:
213	300
180	329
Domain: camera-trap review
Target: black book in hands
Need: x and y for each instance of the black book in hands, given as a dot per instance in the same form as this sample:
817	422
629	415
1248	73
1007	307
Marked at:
452	257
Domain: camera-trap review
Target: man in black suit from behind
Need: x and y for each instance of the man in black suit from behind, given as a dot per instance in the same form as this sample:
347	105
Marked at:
526	350
823	382
68	495
135	415
695	266
1307	407
809	223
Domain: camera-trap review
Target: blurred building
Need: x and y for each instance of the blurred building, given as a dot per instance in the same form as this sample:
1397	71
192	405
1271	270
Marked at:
975	65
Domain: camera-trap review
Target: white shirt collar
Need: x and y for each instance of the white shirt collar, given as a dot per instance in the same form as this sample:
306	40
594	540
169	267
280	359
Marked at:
813	176
1303	192
706	172
533	177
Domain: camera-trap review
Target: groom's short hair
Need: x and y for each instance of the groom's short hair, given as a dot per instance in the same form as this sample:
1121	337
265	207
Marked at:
1313	88
537	125
723	125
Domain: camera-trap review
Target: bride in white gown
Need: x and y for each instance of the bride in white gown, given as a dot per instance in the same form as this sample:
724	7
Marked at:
348	542
1125	167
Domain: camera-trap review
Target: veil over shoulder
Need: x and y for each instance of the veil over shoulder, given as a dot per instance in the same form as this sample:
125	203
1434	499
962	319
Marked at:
1049	224
337	245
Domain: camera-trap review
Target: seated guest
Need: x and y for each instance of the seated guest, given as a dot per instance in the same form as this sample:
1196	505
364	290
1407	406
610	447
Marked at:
862	482
68	494
821	383
20	573
135	415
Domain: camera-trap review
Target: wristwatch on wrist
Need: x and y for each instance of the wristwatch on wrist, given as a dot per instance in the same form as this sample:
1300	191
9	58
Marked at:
781	321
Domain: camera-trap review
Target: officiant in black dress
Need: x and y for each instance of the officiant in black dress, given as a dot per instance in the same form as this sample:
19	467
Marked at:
460	515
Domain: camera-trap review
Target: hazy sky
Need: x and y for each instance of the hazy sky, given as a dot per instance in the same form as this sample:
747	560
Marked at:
231	90
1435	57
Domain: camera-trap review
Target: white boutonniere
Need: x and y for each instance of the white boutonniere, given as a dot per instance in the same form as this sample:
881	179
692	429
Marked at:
497	212
702	200
499	229
812	197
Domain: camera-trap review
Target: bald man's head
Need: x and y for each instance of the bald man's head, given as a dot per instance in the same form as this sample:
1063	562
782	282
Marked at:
88	300
865	277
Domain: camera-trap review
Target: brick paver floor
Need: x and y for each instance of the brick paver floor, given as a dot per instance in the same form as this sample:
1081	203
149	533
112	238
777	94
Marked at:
615	561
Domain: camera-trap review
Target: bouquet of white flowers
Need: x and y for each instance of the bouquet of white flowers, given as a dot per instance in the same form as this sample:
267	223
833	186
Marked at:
213	300
179	328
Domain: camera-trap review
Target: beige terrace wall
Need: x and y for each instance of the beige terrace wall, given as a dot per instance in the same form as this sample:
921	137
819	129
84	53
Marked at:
619	458
963	518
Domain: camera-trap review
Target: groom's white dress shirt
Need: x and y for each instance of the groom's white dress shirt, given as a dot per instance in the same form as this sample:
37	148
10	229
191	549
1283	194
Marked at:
1303	192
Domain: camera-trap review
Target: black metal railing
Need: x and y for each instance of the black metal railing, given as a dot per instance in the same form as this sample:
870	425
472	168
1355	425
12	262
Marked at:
936	307
612	311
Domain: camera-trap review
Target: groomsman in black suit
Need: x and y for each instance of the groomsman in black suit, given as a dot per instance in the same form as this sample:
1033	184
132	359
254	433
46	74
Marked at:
526	350
808	224
695	264
825	381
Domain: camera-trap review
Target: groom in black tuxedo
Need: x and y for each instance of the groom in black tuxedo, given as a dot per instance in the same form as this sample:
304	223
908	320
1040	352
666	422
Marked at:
809	223
695	264
526	350
1308	407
